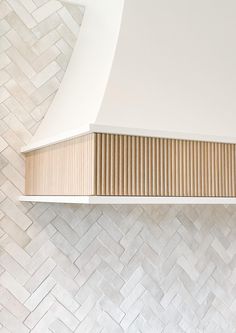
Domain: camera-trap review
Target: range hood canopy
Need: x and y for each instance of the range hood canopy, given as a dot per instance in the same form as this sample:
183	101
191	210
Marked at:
154	68
146	112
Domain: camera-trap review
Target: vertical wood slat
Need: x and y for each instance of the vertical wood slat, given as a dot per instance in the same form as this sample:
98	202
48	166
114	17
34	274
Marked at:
112	166
125	167
199	170
116	164
177	182
133	167
216	159
173	158
233	159
154	167
146	163
109	164
165	152
103	167
142	166
220	170
138	166
150	174
162	167
98	170
169	167
181	167
121	166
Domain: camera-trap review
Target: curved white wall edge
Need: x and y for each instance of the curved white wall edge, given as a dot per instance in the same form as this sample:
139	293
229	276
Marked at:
81	92
129	200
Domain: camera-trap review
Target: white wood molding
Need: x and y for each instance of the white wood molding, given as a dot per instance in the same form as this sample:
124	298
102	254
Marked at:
93	128
113	200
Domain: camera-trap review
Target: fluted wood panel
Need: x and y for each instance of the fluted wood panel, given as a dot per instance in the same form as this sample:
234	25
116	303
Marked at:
122	165
143	166
66	168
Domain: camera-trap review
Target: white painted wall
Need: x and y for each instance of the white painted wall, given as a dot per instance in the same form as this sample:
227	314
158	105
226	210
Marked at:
168	70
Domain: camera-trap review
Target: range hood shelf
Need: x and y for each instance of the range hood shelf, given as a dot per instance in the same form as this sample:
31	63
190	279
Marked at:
124	200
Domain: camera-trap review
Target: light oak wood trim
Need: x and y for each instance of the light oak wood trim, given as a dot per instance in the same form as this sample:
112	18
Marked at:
66	168
122	165
167	167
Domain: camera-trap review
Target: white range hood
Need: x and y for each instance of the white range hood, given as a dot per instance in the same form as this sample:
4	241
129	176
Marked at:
159	69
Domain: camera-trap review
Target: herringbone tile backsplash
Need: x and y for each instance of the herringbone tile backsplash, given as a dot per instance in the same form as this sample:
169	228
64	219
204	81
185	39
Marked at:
95	268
